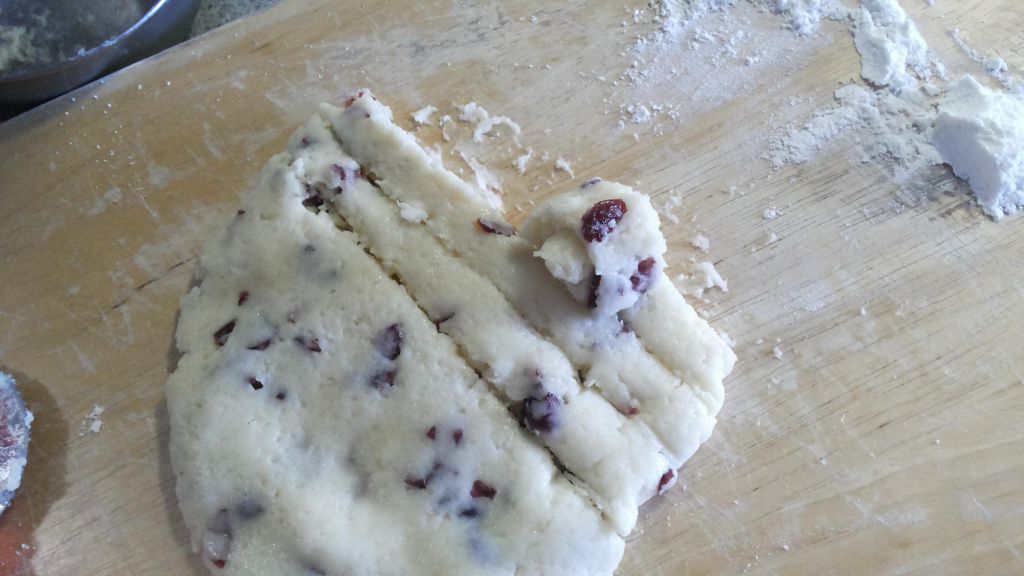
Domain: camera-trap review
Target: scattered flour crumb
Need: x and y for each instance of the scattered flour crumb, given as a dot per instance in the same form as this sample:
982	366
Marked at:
422	116
92	422
563	166
701	243
863	312
484	121
522	159
447	125
412	212
771	213
702	277
785	547
777	352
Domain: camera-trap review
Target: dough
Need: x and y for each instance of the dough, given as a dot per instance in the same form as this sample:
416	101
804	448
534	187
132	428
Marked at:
608	351
602	241
617	458
380	377
321	424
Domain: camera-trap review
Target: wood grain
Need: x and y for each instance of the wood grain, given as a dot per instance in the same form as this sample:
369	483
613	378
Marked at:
888	439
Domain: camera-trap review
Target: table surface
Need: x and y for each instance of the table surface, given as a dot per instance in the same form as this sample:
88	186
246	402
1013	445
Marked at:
887	438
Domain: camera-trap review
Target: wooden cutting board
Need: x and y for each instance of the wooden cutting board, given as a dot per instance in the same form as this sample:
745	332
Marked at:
888	438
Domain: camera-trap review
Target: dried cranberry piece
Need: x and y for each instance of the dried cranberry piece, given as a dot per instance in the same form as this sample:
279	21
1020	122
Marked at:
384	380
595	283
641	281
632	411
222	333
541	411
243	297
218	538
601	219
389	341
417	483
666	482
256	384
304	142
457	436
495	227
432	433
352	99
311	344
482	489
261	345
314	200
249	508
590	183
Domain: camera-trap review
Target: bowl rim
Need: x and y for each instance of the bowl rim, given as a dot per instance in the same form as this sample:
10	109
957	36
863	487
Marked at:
33	73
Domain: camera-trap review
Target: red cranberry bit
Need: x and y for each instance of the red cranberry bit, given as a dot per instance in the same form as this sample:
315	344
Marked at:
601	219
641	281
668	479
457	436
243	297
432	433
595	283
344	173
389	341
249	509
384	380
632	411
256	384
482	489
222	333
352	99
304	142
311	344
261	346
218	538
417	483
313	201
495	227
590	183
540	413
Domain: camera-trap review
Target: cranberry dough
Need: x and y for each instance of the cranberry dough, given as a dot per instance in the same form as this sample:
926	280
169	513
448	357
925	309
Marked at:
366	390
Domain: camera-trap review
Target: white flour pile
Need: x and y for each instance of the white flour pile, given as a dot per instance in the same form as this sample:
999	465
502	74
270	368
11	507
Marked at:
909	114
914	116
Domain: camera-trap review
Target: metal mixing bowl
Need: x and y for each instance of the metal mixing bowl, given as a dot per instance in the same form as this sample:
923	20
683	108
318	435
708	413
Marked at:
149	26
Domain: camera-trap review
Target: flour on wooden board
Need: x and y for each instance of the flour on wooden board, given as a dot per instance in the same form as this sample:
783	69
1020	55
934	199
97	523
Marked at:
92	422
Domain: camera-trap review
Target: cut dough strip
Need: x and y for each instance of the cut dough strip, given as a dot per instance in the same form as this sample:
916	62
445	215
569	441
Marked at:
322	425
618	458
616	362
